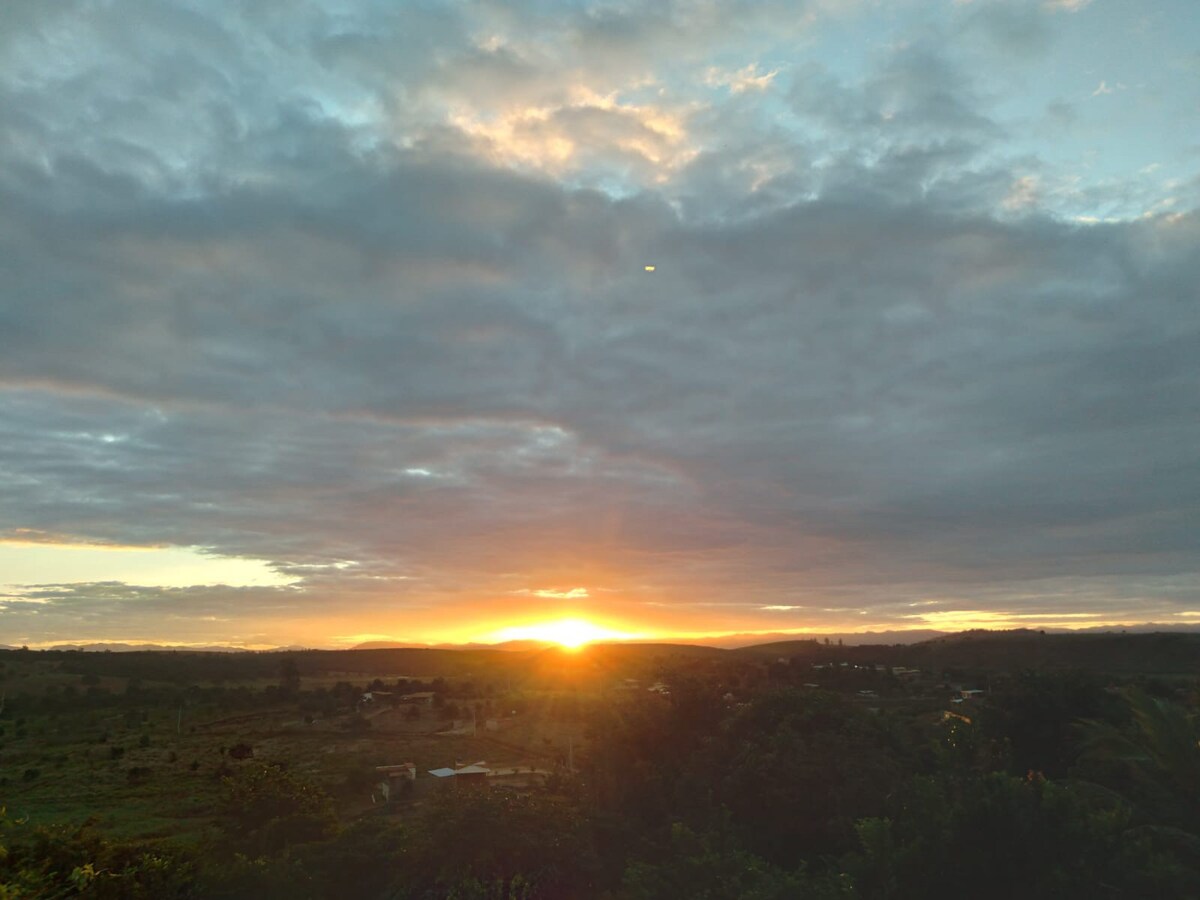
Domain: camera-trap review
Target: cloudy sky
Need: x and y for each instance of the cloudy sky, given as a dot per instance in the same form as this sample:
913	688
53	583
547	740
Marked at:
328	321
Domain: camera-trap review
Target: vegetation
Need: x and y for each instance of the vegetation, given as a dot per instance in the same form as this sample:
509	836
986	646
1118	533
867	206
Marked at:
626	773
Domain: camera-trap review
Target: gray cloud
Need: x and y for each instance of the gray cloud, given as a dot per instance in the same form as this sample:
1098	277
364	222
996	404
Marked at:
254	320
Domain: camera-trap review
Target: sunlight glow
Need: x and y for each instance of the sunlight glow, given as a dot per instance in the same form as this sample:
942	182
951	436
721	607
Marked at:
24	562
569	633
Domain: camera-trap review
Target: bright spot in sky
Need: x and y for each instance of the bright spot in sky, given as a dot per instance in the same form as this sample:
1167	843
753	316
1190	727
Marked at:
27	563
649	268
569	633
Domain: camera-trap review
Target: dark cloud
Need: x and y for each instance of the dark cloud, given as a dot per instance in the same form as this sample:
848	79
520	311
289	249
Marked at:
856	383
1017	30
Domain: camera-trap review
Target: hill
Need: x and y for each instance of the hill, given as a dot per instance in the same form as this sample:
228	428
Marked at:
1165	652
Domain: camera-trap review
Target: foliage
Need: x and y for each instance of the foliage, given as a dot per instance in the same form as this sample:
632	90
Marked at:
996	836
1153	760
64	861
267	808
1034	715
800	767
289	676
736	783
710	866
474	841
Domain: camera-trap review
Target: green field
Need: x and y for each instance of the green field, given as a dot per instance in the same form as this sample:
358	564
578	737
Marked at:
153	768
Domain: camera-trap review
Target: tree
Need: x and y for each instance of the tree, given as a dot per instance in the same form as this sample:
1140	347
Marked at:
710	866
289	676
798	768
267	807
994	837
476	843
1034	719
1154	761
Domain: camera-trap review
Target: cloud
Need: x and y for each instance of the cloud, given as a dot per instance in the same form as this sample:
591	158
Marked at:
575	593
369	304
741	80
1015	30
1022	195
588	131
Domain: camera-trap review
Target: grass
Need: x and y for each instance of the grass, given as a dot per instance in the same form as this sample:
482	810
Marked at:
83	758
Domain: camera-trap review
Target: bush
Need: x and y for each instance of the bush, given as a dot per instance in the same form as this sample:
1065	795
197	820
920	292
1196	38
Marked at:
268	808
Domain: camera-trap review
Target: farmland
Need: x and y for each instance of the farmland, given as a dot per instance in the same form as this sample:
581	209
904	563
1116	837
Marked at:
622	772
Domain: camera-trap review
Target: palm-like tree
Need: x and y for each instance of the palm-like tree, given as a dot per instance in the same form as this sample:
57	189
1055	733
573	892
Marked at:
1158	754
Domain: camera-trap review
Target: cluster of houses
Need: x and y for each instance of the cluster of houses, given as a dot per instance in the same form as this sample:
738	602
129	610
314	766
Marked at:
420	698
399	780
633	684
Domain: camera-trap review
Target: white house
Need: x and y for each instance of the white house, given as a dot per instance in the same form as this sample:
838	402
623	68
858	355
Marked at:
395	779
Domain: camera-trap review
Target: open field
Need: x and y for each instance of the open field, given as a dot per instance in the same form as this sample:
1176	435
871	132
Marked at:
146	759
614	771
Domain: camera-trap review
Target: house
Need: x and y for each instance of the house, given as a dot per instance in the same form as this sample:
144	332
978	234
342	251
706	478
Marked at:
396	779
474	774
971	694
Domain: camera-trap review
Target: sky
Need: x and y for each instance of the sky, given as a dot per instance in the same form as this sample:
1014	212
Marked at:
326	322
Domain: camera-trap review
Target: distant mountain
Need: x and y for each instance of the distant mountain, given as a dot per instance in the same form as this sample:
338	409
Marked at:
118	647
1026	634
853	639
506	645
503	645
1148	651
1144	628
779	643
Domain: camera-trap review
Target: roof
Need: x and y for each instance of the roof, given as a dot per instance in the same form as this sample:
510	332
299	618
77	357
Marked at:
476	769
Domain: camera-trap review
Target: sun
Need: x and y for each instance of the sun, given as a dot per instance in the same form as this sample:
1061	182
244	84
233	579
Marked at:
571	634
